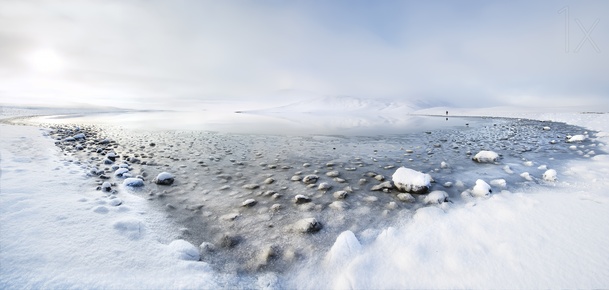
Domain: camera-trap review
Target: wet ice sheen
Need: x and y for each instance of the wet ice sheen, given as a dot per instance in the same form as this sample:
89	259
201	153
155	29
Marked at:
222	195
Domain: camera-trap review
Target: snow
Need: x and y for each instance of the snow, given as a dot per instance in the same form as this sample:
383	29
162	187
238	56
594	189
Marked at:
53	234
58	232
184	250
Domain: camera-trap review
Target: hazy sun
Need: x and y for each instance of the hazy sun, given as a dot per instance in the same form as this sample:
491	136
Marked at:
45	60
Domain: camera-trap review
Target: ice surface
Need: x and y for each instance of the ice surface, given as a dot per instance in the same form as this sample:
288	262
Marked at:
530	237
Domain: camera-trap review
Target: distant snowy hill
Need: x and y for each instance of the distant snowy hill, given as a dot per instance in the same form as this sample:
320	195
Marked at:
341	105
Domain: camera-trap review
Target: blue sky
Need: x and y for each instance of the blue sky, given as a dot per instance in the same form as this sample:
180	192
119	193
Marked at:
154	53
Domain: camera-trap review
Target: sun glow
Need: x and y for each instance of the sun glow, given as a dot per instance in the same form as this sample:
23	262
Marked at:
45	61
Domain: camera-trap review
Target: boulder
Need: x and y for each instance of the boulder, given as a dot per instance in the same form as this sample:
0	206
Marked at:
164	178
411	181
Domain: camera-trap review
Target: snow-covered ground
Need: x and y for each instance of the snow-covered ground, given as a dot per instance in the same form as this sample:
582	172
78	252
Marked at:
55	232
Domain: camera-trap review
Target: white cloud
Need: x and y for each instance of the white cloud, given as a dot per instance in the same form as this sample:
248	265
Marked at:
490	53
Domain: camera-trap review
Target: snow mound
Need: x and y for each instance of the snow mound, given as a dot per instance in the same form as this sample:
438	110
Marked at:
486	156
549	175
344	249
481	189
436	197
184	250
409	180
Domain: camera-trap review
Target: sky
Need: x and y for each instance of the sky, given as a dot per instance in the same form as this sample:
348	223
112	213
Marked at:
162	54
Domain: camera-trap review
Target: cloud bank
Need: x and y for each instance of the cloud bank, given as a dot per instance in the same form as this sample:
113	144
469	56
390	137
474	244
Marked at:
159	54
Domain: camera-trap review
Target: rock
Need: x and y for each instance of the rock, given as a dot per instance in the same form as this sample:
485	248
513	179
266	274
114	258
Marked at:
228	241
120	172
108	161
499	183
269	180
341	194
133	182
379	177
112	156
549	175
250	186
481	189
164	178
381	186
444	165
485	156
333	173
307	225
405	197
310	179
106	186
300	199
249	203
230	216
324	186
411	181
184	250
296	178
577	138
276	207
338	205
526	176
436	197
207	247
306	165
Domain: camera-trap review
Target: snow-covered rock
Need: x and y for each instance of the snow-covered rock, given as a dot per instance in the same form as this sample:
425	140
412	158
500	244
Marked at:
412	181
79	136
249	203
526	176
499	183
577	138
133	182
300	199
307	225
310	179
106	186
486	156
120	172
164	178
549	175
184	250
481	189
436	197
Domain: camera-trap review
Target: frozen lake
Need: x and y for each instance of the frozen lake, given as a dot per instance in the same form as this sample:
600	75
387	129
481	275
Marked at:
223	161
273	124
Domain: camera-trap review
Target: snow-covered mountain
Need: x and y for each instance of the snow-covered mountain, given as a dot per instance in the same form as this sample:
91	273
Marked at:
342	105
